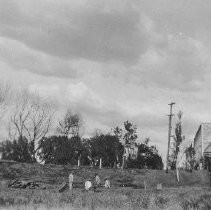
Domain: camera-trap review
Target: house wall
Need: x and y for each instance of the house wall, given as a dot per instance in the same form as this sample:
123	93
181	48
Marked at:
198	144
202	140
206	135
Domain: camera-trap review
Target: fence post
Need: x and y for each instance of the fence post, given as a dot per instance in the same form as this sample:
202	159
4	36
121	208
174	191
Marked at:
100	162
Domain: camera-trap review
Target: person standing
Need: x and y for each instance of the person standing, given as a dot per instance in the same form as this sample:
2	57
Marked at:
97	180
71	181
107	183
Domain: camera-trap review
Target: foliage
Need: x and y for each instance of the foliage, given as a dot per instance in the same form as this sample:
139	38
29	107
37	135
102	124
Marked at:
31	119
190	157
5	93
16	150
127	136
70	125
69	147
178	138
118	132
148	157
130	134
60	149
107	147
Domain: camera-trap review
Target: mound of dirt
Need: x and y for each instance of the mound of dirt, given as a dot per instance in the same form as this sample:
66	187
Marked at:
54	175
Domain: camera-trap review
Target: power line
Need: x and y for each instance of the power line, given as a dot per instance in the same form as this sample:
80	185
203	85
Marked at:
169	135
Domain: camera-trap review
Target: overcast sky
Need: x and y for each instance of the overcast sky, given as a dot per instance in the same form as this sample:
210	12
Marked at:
113	60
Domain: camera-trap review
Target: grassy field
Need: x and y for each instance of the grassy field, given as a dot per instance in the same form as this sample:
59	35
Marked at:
192	192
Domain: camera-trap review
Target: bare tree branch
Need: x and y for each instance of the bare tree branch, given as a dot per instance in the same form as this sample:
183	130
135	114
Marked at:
5	93
31	119
70	125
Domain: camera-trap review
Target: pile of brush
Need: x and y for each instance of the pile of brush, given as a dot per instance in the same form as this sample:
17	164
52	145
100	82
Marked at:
25	184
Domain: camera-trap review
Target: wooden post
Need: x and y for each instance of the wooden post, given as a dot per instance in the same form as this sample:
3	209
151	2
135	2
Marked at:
169	135
123	162
100	162
79	162
177	173
145	185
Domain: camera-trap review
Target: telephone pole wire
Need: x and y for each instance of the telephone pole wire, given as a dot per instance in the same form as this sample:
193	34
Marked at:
169	135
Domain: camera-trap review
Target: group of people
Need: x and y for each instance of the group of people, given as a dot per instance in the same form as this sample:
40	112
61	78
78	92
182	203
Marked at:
89	184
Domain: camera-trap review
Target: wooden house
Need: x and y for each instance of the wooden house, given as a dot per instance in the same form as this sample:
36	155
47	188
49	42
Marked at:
202	142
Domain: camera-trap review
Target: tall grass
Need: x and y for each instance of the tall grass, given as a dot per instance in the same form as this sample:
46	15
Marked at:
122	198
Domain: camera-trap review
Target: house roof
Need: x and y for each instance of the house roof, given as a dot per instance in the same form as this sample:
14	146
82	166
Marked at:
206	127
208	148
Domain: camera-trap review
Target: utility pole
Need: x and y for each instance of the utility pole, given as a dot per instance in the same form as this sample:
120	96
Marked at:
169	134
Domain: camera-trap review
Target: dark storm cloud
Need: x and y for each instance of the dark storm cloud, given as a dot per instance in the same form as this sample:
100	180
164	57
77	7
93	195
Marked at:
83	32
136	37
19	57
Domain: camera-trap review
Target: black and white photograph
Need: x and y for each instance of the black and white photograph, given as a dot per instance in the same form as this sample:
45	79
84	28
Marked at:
105	104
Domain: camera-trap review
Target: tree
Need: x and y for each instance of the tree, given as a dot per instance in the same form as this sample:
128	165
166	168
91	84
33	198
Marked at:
190	157
54	149
60	149
118	133
7	150
107	147
70	125
16	150
5	92
130	134
31	119
76	149
70	128
178	138
86	155
147	157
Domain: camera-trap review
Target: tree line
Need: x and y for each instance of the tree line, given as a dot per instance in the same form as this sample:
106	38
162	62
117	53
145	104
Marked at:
31	137
176	149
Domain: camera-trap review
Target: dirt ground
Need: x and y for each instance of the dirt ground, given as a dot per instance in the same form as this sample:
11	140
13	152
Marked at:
139	191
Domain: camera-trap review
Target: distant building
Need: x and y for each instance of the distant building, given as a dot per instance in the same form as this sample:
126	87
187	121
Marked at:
202	142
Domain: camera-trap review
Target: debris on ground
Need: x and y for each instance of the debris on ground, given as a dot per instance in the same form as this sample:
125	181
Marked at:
63	187
21	184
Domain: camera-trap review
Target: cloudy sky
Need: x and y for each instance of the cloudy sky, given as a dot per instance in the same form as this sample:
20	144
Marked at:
113	60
